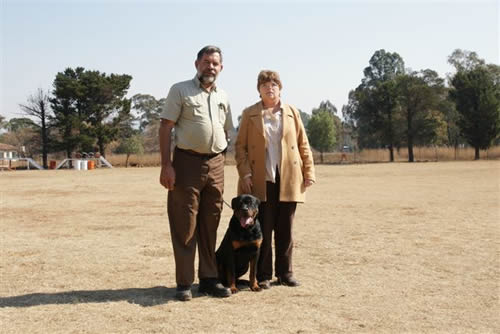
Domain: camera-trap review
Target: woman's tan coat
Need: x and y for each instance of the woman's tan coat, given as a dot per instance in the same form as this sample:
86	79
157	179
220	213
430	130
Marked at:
296	156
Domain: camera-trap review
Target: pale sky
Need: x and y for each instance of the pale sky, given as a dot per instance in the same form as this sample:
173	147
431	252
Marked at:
320	48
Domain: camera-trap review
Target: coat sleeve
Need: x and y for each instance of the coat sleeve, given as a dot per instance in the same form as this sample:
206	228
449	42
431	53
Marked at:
241	147
304	148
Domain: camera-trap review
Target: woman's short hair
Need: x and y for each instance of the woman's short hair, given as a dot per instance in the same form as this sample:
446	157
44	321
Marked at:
266	76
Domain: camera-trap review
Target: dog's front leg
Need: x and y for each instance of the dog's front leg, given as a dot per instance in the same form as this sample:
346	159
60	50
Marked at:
231	279
254	286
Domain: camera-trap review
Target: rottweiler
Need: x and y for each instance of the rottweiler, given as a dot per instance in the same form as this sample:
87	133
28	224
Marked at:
240	247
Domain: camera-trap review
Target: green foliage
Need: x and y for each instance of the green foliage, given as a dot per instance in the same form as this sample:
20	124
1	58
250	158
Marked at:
476	93
16	124
305	117
22	132
131	145
329	107
372	106
3	122
464	60
321	131
384	66
419	94
450	117
88	108
148	109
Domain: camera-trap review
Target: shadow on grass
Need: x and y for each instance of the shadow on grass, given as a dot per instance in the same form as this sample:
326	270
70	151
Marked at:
145	297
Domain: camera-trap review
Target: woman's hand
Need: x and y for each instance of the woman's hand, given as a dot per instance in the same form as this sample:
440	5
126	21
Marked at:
308	183
247	184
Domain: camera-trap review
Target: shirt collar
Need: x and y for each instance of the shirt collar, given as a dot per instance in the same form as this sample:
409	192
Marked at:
267	113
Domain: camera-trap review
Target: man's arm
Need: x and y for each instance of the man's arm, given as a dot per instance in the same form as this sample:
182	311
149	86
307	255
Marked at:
167	174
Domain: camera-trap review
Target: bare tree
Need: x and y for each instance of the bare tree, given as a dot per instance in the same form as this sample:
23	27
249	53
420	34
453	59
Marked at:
38	106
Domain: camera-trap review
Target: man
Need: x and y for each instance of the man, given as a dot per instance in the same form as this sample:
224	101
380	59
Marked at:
199	111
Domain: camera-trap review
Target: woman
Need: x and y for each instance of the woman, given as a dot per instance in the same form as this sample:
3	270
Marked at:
275	164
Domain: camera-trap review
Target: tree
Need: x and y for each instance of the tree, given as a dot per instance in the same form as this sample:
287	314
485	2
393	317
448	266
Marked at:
15	124
38	106
105	105
148	109
372	106
89	108
68	117
3	122
321	132
22	133
305	117
150	137
419	93
384	66
337	122
476	93
464	60
131	145
450	117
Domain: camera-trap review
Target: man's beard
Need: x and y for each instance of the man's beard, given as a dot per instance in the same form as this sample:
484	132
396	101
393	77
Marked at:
207	79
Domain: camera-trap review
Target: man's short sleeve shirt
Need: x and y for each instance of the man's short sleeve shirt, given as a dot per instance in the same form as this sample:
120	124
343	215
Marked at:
201	117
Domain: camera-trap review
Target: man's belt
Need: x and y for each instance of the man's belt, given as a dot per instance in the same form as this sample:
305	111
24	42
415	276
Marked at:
204	156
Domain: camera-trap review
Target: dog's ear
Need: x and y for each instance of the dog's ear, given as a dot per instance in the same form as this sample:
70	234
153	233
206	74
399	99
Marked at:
257	201
234	203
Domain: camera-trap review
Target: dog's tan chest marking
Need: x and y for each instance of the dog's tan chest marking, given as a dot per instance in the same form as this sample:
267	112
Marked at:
237	244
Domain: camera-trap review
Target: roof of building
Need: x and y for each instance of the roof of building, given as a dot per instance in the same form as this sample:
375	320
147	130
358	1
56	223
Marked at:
7	147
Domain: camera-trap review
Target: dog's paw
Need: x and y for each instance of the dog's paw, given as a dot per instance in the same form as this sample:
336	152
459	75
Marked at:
234	290
255	288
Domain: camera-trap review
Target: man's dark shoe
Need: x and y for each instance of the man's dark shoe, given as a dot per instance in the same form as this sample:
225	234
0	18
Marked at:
288	281
211	287
183	293
265	284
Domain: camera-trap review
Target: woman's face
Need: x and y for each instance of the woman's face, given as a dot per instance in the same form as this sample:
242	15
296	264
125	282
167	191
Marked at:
269	91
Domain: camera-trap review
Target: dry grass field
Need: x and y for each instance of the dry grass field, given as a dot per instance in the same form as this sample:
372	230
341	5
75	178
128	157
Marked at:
380	248
422	154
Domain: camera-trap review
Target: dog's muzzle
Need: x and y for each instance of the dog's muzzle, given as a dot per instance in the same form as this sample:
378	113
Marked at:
246	222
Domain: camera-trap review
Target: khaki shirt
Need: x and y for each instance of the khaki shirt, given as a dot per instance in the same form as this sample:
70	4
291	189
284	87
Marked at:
201	118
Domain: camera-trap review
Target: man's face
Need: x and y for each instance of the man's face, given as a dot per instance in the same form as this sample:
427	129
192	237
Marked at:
208	68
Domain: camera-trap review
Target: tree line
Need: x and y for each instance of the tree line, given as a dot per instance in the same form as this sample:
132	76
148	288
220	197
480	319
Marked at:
393	107
396	107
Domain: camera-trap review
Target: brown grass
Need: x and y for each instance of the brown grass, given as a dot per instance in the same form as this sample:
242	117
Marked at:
366	156
383	248
422	154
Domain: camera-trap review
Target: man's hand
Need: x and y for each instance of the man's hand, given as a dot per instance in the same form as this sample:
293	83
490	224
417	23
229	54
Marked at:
167	177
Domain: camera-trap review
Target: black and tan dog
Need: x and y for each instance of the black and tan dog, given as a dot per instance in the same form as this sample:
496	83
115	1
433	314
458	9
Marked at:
240	247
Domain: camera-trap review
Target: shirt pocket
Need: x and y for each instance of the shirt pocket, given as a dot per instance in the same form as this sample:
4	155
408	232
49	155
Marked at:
193	109
222	112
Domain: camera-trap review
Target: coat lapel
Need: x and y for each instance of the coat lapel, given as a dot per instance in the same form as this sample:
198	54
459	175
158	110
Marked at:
287	119
257	119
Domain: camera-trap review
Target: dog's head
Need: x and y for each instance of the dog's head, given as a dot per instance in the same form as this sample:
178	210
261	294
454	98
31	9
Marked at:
246	208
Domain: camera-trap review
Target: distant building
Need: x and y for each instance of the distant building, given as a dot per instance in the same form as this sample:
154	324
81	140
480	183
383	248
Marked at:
8	151
7	154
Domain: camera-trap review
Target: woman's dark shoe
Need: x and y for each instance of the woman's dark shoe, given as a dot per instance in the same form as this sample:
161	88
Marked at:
183	293
288	281
266	284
